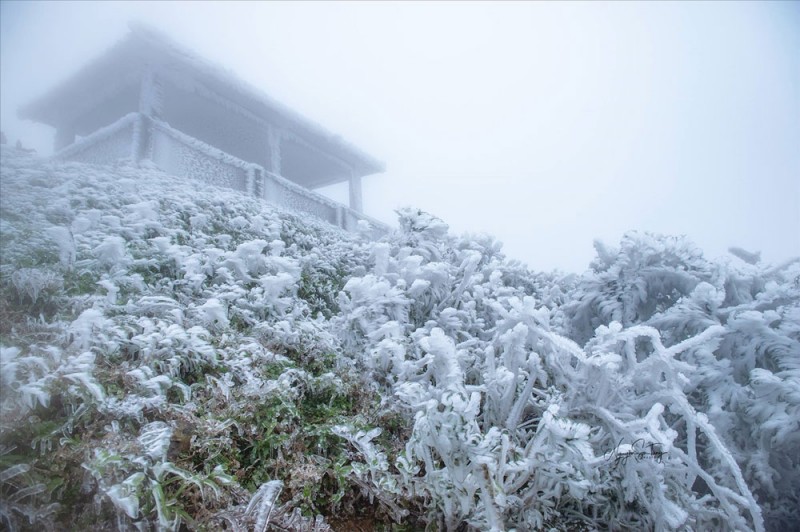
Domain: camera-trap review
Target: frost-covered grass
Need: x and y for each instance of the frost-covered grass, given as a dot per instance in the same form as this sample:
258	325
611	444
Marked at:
178	355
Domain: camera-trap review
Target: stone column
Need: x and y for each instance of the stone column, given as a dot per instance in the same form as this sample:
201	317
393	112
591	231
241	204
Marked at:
150	106
356	202
150	99
251	180
140	148
340	216
274	144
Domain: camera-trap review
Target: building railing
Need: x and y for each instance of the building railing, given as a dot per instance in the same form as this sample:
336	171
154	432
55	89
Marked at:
107	145
136	137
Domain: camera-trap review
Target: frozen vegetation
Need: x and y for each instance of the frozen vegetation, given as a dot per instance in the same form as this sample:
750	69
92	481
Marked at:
178	356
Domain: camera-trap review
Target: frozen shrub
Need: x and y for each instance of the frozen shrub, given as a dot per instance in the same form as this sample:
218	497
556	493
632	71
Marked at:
31	283
213	362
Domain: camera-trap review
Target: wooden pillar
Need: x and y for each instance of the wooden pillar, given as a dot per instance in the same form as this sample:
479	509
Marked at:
356	202
274	141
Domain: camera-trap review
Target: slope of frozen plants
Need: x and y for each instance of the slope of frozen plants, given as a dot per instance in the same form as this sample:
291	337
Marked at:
178	356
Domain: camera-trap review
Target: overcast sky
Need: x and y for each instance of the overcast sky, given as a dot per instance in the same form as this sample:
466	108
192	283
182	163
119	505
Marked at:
544	124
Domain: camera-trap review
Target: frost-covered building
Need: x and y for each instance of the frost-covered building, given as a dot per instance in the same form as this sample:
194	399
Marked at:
149	99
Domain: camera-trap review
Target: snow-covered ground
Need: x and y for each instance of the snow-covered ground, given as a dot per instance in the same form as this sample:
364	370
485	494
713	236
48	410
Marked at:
178	355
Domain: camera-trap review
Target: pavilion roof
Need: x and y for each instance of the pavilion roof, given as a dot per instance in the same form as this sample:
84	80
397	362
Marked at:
143	48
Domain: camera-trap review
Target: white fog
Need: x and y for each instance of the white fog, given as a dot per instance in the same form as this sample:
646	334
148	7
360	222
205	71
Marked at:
395	266
546	125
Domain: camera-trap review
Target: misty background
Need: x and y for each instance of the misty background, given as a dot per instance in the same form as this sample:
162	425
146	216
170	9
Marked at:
544	124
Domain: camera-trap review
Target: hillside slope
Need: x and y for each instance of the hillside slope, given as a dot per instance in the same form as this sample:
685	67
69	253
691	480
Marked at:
180	356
